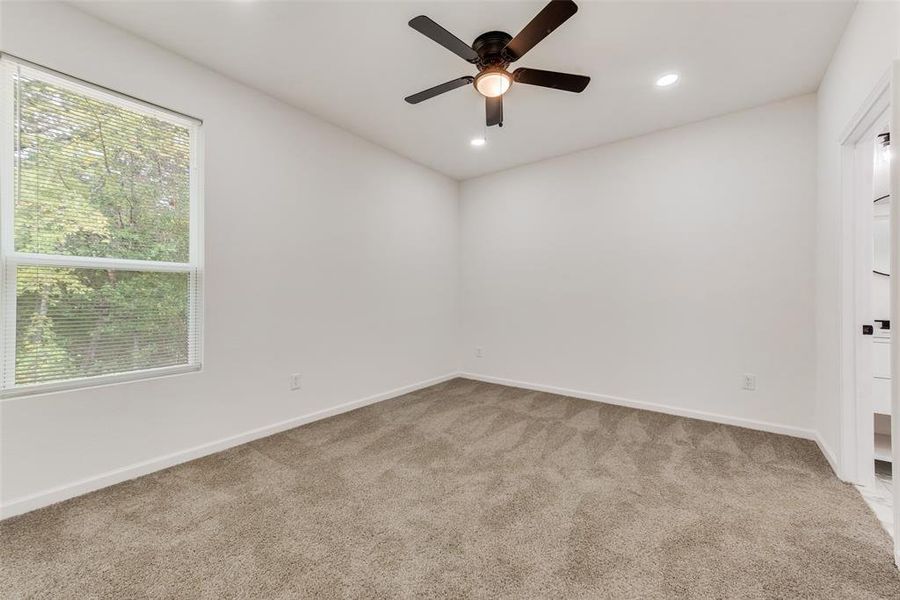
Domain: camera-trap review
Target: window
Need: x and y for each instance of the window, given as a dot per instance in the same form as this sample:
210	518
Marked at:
100	225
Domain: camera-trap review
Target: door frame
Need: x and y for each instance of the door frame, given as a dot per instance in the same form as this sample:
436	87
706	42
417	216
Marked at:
895	304
855	465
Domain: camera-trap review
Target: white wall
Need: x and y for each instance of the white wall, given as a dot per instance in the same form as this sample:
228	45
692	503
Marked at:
871	41
324	254
657	269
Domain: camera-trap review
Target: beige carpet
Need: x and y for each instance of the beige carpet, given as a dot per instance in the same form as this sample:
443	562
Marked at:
465	490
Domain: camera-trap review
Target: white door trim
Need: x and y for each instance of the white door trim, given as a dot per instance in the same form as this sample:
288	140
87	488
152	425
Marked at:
852	463
895	303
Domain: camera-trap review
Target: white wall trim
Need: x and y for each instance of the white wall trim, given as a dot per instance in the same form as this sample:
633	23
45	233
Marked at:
31	502
829	455
869	112
855	404
798	432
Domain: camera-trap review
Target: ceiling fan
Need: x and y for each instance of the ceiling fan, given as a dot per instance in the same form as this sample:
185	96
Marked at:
492	53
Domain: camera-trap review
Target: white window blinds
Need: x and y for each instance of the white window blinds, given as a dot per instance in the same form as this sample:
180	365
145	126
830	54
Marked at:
99	235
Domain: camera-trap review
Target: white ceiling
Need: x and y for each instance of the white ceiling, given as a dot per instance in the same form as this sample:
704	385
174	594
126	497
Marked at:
353	63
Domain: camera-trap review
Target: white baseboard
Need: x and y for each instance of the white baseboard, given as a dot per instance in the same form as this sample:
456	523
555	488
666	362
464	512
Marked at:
31	502
789	430
828	454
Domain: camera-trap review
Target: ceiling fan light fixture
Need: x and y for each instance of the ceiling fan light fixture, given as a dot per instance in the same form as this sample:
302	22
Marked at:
491	83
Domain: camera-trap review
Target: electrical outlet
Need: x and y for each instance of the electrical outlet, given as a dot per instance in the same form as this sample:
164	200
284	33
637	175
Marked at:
295	381
749	382
479	352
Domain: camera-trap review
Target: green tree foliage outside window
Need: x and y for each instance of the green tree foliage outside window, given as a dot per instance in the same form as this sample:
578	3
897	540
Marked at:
96	179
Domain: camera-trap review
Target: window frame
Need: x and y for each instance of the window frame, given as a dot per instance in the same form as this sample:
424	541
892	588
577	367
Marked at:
10	259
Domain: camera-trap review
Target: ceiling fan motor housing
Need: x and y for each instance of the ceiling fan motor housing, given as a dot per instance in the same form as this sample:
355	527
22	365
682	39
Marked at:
489	47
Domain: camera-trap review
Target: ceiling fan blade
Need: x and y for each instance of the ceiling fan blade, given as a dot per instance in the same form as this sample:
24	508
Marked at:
439	89
551	16
552	79
432	30
494	110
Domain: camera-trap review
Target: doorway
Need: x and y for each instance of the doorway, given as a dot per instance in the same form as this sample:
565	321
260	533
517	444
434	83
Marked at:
866	349
873	308
869	425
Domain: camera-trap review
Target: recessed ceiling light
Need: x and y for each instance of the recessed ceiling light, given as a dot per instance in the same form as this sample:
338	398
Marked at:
479	141
667	80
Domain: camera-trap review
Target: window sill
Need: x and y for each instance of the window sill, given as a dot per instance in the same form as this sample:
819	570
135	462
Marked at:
96	382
